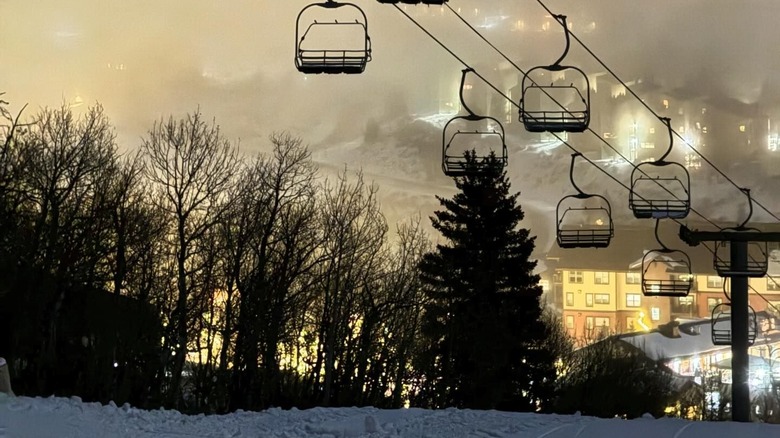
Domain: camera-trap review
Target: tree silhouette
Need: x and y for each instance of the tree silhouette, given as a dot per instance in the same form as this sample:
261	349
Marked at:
482	324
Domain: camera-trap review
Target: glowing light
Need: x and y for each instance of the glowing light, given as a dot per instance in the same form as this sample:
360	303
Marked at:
640	321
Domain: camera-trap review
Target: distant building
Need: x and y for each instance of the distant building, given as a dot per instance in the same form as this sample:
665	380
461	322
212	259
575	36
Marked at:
599	292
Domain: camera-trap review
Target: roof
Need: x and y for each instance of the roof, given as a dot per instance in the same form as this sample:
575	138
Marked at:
673	264
689	339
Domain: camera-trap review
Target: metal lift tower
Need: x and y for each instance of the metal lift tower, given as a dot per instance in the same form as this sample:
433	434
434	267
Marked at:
739	268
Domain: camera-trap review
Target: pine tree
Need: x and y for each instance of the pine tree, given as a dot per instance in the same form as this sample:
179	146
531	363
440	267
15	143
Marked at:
482	329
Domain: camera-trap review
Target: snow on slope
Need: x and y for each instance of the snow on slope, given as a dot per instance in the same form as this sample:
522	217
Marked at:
52	417
402	155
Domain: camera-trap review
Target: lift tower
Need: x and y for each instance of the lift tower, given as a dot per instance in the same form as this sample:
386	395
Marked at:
738	264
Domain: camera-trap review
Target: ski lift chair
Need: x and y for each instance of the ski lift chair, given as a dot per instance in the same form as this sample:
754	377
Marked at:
666	272
657	195
579	225
481	132
327	59
555	107
721	325
758	252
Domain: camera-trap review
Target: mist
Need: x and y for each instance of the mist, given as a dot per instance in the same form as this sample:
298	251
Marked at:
143	60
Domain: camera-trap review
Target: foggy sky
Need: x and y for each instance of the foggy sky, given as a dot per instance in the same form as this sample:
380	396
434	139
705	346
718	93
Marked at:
145	59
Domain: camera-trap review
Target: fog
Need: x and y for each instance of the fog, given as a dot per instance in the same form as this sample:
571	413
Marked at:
145	59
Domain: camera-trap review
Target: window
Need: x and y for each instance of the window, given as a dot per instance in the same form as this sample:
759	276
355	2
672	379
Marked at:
741	128
589	300
601	277
666	103
575	276
602	325
683	305
633	300
772	284
633	278
631	323
570	322
652	130
714	281
602	298
712	302
655	313
685	301
570	298
589	322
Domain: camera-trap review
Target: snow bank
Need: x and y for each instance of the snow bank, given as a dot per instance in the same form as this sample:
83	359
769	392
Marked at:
24	417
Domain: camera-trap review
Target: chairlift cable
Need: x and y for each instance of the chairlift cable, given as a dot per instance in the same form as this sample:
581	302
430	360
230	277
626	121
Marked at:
646	105
565	142
603	140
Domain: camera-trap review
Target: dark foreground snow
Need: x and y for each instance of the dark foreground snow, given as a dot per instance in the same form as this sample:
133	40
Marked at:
24	417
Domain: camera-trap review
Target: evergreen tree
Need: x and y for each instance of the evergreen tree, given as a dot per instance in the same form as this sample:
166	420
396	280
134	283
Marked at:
483	333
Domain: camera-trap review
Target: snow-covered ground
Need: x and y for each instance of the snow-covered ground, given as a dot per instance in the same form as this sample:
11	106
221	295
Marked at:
24	417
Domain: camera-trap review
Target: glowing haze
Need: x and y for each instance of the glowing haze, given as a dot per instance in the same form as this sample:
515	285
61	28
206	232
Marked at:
146	59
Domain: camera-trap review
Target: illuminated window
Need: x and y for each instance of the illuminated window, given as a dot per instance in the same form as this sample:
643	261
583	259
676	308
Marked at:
569	298
588	300
633	278
704	110
655	313
684	304
666	104
633	300
703	129
602	298
569	322
602	324
741	128
652	130
712	302
575	276
714	281
601	277
648	145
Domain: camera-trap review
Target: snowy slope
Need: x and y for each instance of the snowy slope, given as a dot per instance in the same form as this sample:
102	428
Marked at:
64	418
403	156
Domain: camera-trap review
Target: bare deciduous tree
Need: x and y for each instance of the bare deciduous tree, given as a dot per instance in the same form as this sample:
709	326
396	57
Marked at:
191	166
354	232
271	245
